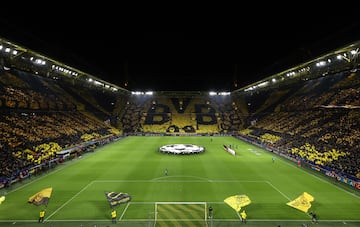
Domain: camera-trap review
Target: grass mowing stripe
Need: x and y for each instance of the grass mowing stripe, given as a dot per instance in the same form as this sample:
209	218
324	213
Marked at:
123	213
319	178
135	166
278	190
179	181
69	200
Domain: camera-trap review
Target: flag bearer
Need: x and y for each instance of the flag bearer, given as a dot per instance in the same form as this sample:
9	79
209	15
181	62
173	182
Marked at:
113	216
41	215
243	216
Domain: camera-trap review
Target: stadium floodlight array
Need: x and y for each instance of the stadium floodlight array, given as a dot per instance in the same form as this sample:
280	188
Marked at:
191	213
142	92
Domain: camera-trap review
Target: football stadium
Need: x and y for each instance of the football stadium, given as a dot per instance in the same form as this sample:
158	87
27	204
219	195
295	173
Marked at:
77	150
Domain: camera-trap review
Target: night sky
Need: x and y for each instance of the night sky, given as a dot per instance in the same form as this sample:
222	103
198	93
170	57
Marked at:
186	58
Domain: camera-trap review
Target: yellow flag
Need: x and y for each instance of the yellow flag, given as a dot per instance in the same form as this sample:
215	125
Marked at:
41	198
2	199
237	201
303	202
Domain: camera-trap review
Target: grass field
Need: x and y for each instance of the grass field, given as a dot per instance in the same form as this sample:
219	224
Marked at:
133	165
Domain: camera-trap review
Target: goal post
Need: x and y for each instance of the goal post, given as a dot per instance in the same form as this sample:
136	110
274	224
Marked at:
181	213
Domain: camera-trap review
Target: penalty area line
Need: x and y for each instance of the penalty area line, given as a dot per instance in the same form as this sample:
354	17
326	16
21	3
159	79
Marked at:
123	213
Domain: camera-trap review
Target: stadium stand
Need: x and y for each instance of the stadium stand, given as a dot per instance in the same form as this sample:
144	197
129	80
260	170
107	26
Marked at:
45	113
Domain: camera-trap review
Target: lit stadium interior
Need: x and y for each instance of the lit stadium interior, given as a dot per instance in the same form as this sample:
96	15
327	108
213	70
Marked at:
53	114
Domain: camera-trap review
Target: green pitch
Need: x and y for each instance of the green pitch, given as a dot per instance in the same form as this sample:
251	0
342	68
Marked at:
133	165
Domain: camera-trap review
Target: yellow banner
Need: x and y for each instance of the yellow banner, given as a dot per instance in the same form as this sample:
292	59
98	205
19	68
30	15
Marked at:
2	199
303	202
41	198
237	201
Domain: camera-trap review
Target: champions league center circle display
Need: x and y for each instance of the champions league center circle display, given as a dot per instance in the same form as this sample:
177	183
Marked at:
181	149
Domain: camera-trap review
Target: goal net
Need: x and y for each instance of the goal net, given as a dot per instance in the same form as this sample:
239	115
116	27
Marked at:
180	214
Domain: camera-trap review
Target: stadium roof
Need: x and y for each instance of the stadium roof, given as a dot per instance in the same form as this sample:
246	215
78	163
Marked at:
191	59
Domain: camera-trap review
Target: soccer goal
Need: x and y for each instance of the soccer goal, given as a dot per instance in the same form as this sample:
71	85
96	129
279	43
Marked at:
180	214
